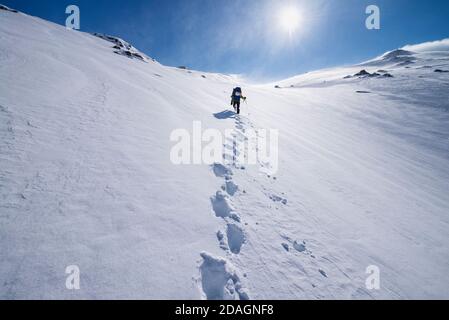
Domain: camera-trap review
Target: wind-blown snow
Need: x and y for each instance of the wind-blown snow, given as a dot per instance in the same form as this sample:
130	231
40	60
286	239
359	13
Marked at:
86	178
439	45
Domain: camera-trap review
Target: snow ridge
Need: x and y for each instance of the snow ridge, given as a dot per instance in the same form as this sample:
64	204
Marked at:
123	48
3	7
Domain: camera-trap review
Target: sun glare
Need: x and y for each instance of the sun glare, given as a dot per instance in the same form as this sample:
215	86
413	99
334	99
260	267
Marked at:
290	19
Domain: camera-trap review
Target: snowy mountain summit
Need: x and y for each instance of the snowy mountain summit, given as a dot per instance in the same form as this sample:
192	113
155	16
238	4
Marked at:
397	58
87	182
123	48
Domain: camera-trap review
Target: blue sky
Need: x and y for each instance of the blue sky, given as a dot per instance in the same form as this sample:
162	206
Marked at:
245	37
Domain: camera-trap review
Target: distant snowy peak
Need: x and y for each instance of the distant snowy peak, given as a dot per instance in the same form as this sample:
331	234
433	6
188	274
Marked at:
124	48
3	7
410	54
424	58
397	57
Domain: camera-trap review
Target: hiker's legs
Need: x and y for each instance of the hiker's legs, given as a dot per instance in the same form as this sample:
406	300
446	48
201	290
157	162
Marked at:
236	106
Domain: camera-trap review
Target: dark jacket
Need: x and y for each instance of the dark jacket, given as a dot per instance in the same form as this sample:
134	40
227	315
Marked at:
237	94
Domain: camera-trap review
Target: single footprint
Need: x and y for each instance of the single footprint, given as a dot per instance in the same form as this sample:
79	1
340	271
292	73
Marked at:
219	280
236	238
222	207
301	247
231	188
221	171
298	246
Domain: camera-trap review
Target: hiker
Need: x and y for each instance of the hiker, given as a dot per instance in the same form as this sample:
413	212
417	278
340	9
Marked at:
236	96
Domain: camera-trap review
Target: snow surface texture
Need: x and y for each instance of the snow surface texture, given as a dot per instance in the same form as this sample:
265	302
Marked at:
86	180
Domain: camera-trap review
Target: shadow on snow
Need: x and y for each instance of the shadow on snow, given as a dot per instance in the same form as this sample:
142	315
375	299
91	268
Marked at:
226	114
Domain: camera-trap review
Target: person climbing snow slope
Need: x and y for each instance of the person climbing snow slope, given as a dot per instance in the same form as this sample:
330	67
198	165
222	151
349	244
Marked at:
236	97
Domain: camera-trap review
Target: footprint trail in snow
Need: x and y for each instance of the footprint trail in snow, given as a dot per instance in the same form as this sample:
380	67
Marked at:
233	236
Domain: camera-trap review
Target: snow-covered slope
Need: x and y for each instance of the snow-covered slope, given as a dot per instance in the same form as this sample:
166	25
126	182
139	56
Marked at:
86	177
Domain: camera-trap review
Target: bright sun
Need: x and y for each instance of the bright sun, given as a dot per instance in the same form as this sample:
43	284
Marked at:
290	19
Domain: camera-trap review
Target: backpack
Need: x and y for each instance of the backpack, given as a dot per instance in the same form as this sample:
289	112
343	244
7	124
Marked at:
237	92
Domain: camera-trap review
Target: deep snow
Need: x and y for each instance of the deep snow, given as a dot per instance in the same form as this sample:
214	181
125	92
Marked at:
86	177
